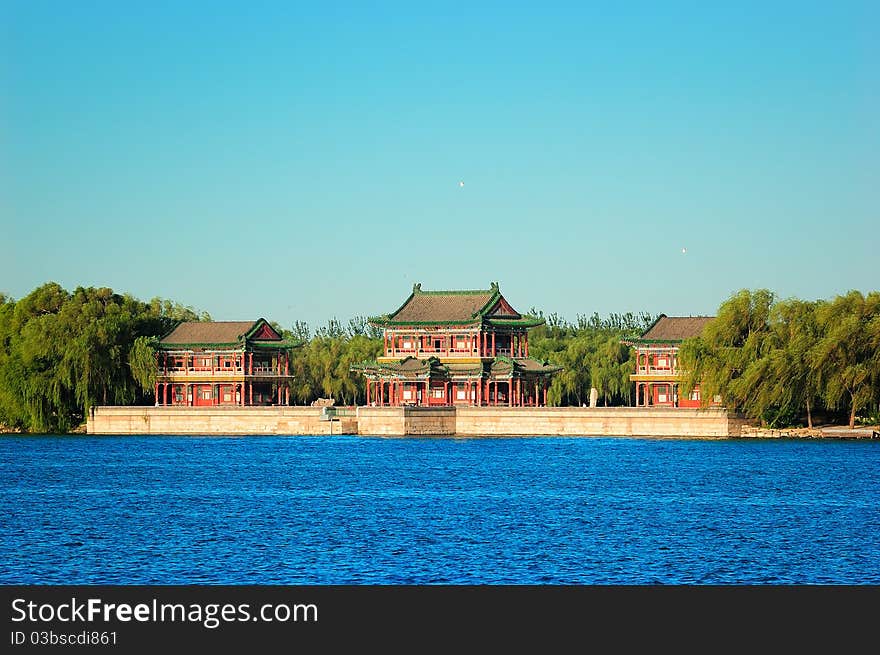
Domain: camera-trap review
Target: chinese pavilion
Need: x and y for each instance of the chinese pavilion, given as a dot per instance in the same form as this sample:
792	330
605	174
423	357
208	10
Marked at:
657	374
223	363
456	348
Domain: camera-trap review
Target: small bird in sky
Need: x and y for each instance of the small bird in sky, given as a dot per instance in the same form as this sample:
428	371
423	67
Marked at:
684	251
461	183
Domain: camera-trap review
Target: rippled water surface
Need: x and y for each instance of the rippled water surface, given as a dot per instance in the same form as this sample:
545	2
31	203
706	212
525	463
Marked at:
296	510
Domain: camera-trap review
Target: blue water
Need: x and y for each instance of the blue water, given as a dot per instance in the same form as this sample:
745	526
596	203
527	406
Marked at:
300	510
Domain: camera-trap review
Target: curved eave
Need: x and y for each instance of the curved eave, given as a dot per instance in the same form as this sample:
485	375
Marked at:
496	295
406	324
277	345
652	342
515	322
200	346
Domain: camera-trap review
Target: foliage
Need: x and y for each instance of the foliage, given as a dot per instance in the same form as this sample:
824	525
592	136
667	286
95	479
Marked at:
591	354
322	366
847	358
62	352
778	360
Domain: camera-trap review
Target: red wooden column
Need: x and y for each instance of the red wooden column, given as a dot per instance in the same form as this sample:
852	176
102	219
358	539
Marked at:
545	395
251	389
157	393
510	392
526	344
446	391
496	392
494	353
637	386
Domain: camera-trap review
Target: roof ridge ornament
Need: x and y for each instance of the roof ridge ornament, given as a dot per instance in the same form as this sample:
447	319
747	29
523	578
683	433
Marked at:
417	287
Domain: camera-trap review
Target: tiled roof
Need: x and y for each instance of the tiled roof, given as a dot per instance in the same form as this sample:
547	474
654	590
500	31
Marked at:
675	328
485	306
204	332
443	306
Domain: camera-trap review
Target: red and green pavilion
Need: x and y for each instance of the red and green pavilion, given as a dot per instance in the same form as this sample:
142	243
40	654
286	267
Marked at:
214	363
456	348
657	374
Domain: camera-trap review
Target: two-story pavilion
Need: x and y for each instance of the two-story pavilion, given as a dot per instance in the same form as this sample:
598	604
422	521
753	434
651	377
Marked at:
223	363
456	348
657	375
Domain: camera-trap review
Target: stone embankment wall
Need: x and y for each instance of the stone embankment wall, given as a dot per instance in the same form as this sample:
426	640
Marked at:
215	420
402	421
596	421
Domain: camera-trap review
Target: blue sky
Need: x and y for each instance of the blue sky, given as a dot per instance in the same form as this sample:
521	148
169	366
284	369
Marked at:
303	160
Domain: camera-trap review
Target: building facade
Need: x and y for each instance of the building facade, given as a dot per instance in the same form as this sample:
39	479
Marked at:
657	374
223	363
456	348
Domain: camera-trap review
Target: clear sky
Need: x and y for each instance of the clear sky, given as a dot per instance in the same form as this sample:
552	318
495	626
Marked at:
303	160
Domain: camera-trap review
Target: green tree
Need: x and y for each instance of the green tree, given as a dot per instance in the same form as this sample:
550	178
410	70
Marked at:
846	357
719	360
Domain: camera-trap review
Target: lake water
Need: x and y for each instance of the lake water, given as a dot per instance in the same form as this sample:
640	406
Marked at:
301	510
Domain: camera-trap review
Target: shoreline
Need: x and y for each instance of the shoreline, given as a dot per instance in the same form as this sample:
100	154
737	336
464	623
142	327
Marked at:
821	432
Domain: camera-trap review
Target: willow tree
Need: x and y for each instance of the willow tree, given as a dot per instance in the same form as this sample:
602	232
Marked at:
724	359
611	365
846	358
61	352
142	362
792	377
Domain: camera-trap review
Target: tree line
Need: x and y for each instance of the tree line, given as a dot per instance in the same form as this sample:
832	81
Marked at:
62	352
781	361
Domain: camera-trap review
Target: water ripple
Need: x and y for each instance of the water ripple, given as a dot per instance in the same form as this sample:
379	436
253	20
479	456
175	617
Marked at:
302	510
